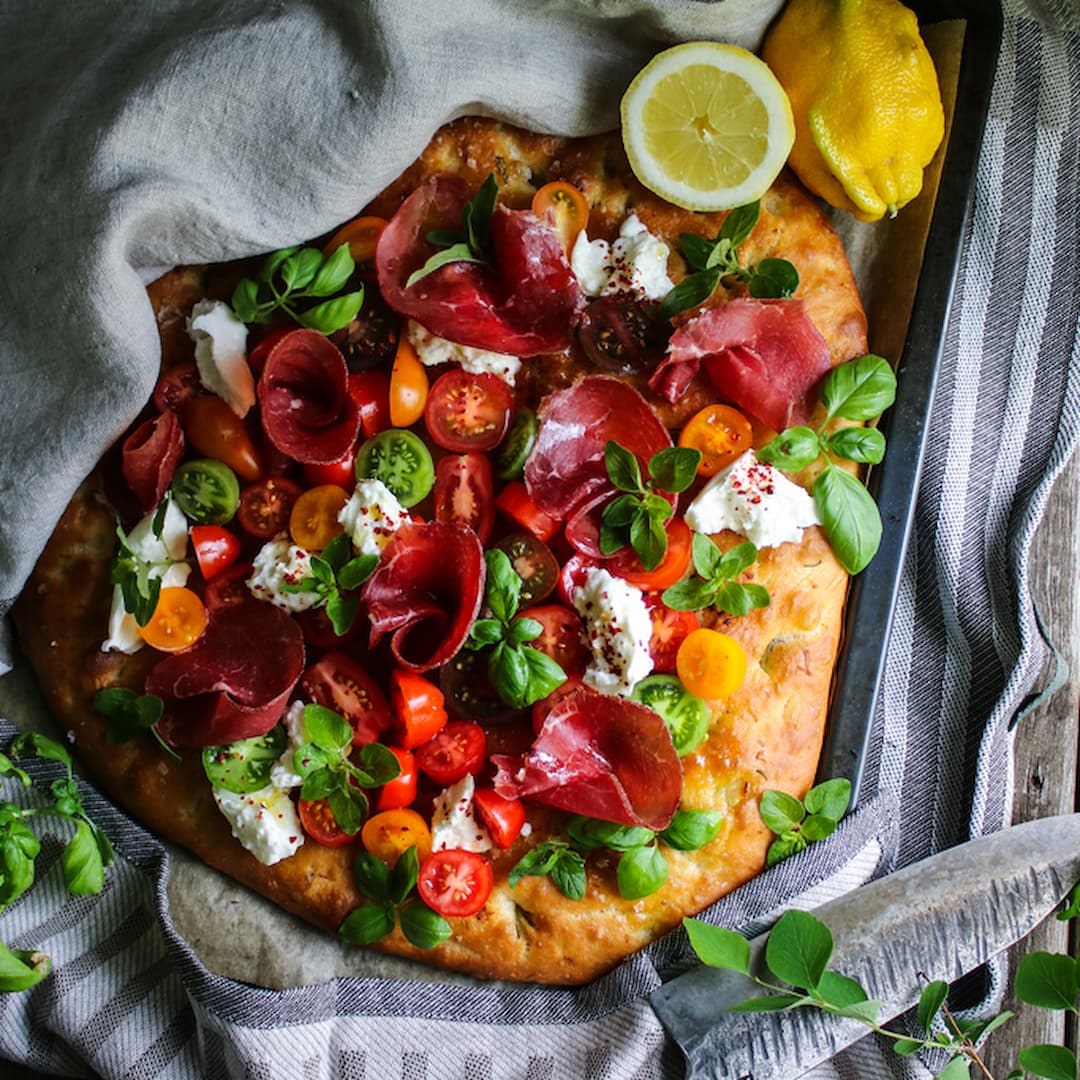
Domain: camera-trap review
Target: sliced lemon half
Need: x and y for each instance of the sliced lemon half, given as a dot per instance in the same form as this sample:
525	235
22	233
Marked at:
707	126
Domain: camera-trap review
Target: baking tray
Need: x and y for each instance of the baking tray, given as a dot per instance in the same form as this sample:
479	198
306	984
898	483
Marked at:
872	598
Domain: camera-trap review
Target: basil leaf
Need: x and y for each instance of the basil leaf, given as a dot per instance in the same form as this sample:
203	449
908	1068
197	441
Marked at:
613	539
857	444
245	300
372	877
739	223
592	834
404	874
734	599
446	237
568	874
128	714
694	289
244	765
689	595
544	675
536	863
817	827
379	762
310	758
773	279
22	968
641	872
367	924
861	389
780	811
455	253
792	449
348	810
830	797
675	468
648	538
274	260
477	215
9	768
423	927
356	571
723	257
503	589
692	829
299	268
318	784
696	250
509	673
524	629
485	632
739	559
334	273
18	849
325	728
34	744
620	511
66	798
622	468
784	847
335	554
332	315
849	516
84	870
342	612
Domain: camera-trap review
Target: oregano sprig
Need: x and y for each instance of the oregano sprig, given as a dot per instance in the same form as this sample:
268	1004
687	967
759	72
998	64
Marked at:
797	823
333	575
714	587
294	274
470	243
859	390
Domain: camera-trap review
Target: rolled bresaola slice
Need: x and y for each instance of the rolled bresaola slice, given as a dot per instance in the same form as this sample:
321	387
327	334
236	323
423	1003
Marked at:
149	458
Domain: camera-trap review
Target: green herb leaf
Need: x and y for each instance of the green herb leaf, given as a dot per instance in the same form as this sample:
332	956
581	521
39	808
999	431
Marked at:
641	872
907	1047
325	728
22	968
783	847
503	588
694	289
523	629
792	449
372	877
367	924
930	1002
829	798
544	675
565	866
861	389
840	990
332	315
455	253
84	870
817	827
9	768
476	217
318	784
591	834
245	301
348	806
739	223
404	875
1051	1062
861	444
780	811
356	571
717	946
798	949
771	1003
622	468
675	468
380	764
690	830
1048	980
342	612
620	511
334	273
423	927
34	744
849	516
299	268
773	279
648	538
129	714
696	250
689	595
509	673
956	1069
485	632
1072	904
866	1011
18	849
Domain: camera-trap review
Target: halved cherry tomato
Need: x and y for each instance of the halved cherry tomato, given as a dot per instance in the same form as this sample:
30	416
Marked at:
518	505
583	526
320	824
572	576
228	587
215	548
672	566
454	882
343	685
408	386
390	834
177	385
711	664
562	637
178	621
469	693
341	472
468	412
534	563
463	492
542	707
419	707
669	630
370	340
623	335
319	632
452	753
313	520
257	356
265	506
503	817
564	208
371	392
361	234
216	431
401	791
721	433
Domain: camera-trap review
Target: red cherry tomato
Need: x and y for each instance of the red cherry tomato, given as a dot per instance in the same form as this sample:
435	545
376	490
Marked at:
583	526
215	548
217	432
542	707
468	412
561	638
455	883
503	817
257	356
401	791
265	506
463	492
341	473
670	628
452	753
672	566
228	587
419	708
341	684
371	392
572	576
320	824
177	386
518	505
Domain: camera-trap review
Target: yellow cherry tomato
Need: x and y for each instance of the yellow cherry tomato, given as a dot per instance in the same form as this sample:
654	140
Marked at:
313	522
564	208
178	621
721	433
408	386
390	834
361	234
710	664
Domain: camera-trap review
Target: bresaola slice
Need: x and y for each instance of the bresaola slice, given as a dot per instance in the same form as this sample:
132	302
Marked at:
149	458
524	305
566	466
235	681
426	592
602	756
307	411
766	356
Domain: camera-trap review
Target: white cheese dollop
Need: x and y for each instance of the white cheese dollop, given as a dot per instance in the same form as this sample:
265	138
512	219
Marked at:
221	354
434	350
756	500
264	821
636	264
124	633
371	516
619	628
280	563
282	774
453	821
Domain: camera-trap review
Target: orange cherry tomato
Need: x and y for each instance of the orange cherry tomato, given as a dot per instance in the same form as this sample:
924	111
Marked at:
408	386
710	664
361	234
671	567
390	834
178	621
518	505
419	707
721	433
401	791
563	207
313	521
217	432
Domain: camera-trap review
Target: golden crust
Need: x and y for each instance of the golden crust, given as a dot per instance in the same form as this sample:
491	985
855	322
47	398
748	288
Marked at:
767	735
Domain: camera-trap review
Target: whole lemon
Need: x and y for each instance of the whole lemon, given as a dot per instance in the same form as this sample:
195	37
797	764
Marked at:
864	91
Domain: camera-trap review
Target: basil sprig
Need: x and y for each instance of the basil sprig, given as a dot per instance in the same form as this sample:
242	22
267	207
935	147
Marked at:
334	573
471	242
129	715
328	773
713	260
140	579
388	890
519	673
557	860
797	823
637	516
294	273
713	586
861	389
